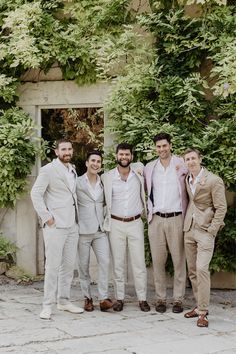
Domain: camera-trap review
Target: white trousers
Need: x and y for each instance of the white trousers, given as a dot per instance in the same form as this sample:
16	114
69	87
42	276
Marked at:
129	234
100	245
60	253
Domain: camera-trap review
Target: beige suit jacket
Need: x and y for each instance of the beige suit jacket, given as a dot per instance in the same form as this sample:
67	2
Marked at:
52	197
207	207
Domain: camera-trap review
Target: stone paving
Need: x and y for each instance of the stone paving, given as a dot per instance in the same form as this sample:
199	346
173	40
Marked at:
127	332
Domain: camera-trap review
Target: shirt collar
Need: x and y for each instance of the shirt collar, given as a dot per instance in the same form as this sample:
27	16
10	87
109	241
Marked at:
69	168
197	178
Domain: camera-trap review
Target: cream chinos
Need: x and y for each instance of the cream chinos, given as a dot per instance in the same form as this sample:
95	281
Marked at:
60	252
164	234
121	235
100	245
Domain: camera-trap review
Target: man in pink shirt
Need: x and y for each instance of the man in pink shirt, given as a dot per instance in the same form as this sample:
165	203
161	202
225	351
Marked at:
167	202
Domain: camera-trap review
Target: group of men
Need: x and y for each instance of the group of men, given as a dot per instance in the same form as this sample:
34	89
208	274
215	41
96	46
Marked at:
185	209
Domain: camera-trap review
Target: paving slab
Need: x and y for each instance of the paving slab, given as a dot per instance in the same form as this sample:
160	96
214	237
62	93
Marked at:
128	332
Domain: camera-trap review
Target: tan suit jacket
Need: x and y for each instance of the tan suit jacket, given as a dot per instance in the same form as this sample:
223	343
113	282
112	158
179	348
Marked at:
207	207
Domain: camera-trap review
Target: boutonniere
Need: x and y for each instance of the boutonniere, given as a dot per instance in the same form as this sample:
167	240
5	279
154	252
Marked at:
202	181
139	172
177	167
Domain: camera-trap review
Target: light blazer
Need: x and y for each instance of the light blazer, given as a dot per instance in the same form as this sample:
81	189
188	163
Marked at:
107	179
208	204
91	211
52	197
181	171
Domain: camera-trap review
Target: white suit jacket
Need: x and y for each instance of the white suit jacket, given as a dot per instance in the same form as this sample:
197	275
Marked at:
52	197
91	211
107	179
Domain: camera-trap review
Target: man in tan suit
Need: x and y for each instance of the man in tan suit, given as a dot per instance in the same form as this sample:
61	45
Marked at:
205	214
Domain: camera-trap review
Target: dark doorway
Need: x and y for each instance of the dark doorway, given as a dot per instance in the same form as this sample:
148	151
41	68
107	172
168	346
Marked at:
83	126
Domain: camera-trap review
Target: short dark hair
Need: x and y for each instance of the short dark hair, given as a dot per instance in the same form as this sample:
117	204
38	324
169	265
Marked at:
162	136
192	149
62	140
124	146
93	152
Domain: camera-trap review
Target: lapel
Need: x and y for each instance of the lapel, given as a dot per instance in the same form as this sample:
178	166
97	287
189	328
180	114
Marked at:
108	177
201	182
190	194
149	177
61	175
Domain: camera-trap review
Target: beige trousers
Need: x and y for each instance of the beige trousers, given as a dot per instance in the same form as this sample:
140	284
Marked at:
129	234
164	234
60	253
199	247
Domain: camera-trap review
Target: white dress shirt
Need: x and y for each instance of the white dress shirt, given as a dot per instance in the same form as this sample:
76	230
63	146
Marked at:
194	181
126	196
95	190
166	189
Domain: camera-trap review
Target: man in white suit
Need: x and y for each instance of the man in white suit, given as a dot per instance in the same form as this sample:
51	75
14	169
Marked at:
54	199
125	202
90	196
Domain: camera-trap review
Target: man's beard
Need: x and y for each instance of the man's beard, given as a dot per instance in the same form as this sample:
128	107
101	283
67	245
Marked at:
65	159
123	163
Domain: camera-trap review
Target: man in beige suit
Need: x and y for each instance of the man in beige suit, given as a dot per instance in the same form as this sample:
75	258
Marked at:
54	199
125	202
205	214
90	197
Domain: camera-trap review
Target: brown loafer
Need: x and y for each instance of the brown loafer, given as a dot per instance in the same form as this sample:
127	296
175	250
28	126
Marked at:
88	304
161	307
177	307
202	320
118	305
106	304
193	313
144	306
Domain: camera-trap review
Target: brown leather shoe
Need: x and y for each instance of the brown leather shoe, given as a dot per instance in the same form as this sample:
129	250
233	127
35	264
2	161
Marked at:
144	306
193	313
177	307
118	305
202	320
161	307
106	304
88	304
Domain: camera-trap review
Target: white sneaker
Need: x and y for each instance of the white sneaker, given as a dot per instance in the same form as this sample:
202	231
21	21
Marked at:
70	308
45	314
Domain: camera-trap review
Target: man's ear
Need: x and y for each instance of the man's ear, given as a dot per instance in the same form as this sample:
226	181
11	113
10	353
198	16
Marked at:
56	152
86	163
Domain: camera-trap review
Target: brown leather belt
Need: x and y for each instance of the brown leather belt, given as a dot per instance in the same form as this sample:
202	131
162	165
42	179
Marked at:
132	218
168	215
